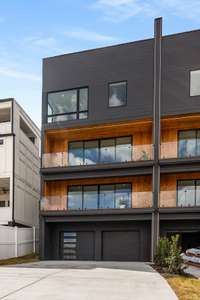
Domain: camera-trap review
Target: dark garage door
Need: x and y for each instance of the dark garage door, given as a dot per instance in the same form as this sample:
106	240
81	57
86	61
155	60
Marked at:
77	245
121	245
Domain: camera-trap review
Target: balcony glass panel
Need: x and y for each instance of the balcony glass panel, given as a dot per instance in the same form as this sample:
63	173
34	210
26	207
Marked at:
123	149
75	198
90	197
107	196
198	192
186	193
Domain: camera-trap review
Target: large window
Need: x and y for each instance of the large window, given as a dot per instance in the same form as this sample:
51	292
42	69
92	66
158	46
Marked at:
188	193
189	143
4	192
100	151
99	196
195	83
68	105
117	94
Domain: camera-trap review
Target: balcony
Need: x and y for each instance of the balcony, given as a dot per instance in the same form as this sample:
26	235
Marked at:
59	203
180	190
135	153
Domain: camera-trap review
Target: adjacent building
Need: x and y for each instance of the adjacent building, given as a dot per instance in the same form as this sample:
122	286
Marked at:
19	166
121	149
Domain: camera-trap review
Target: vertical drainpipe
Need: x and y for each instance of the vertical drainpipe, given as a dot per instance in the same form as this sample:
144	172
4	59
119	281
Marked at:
13	171
156	134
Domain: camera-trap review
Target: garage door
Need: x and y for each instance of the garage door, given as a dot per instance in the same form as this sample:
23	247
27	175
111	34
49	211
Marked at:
77	245
121	245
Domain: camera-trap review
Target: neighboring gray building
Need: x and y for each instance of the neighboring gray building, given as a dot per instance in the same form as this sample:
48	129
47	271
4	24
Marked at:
19	166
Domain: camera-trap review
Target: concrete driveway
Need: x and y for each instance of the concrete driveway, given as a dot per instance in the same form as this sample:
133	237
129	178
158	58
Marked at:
58	280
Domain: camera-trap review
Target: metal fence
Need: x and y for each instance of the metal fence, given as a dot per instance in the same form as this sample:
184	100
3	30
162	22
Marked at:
17	241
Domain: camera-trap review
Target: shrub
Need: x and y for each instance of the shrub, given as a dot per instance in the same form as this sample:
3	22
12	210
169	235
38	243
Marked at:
162	252
174	260
168	255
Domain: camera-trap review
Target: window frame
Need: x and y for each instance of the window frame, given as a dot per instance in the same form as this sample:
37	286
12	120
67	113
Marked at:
190	81
77	112
195	194
108	91
99	148
98	195
178	141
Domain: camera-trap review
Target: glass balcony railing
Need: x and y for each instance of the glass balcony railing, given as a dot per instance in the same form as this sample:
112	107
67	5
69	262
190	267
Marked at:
59	203
173	198
175	150
64	159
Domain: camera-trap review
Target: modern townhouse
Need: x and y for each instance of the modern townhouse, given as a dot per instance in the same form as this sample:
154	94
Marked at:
121	149
19	166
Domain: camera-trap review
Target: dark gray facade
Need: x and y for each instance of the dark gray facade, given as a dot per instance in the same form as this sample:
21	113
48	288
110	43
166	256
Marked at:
158	75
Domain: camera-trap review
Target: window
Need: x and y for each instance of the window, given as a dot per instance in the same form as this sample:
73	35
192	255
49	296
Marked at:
75	197
68	105
195	83
189	143
117	94
123	196
100	151
4	192
27	131
90	197
188	193
1	141
99	196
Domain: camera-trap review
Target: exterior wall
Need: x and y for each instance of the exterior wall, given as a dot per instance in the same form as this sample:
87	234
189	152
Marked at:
27	164
141	191
168	187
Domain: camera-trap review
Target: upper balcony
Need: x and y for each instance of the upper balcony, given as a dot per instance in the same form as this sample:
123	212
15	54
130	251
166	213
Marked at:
180	138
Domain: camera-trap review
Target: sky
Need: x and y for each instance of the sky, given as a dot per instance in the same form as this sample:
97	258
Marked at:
33	29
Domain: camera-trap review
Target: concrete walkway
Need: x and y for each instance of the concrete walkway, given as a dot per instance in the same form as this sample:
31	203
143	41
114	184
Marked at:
58	280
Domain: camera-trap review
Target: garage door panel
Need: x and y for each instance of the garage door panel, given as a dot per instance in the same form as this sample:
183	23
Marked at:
121	245
85	245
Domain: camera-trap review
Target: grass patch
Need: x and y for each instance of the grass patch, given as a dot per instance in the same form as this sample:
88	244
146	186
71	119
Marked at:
19	260
185	287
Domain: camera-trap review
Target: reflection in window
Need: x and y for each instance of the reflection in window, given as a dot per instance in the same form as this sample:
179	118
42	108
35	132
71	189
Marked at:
107	151
123	196
188	192
195	83
75	197
107	196
68	105
189	143
90	197
123	149
117	94
76	153
100	151
91	152
103	196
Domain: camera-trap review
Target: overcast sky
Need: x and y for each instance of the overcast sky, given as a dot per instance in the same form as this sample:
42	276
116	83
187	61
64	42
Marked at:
33	29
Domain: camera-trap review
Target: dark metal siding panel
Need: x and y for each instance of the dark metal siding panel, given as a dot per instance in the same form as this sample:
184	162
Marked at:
132	62
180	54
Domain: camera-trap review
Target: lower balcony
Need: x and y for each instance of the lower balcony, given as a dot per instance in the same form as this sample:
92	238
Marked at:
180	190
117	194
